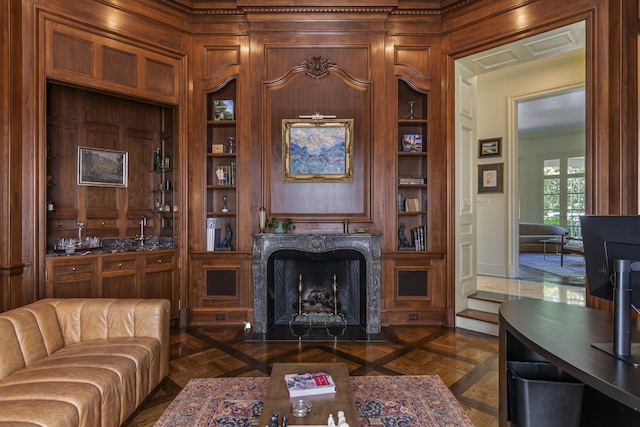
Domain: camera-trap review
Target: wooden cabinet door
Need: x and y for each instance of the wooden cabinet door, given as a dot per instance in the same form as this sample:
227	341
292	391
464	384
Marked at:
71	277
160	278
120	276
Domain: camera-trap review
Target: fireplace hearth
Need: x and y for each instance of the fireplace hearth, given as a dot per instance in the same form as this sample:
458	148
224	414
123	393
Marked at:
326	281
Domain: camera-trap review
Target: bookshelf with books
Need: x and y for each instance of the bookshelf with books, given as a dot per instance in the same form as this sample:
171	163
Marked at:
219	259
221	195
412	184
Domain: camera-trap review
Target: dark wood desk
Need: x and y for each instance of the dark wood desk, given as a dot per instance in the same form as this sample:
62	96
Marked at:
562	334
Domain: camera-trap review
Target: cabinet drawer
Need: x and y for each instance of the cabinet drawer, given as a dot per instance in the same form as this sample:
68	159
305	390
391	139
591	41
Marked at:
118	263
67	269
98	223
160	260
61	224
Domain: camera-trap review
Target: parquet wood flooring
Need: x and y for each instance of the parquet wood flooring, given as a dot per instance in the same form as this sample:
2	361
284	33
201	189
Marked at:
466	361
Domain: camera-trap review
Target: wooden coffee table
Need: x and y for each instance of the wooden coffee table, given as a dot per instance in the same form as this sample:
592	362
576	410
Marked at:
322	405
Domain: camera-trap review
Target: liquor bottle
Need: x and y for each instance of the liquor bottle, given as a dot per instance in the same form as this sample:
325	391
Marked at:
157	159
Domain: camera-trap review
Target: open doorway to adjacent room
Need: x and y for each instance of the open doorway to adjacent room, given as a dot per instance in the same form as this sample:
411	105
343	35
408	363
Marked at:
552	185
518	89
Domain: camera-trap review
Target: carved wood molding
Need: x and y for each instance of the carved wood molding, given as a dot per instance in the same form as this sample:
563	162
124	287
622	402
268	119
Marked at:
318	68
194	9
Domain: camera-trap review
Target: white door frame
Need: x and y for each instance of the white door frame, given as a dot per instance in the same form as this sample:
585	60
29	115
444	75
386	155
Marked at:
513	175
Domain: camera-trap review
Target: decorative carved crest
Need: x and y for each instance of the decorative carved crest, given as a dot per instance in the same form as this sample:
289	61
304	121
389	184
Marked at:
317	67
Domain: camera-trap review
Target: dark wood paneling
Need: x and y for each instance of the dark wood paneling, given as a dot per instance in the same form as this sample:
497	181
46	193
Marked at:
217	59
72	54
160	77
83	118
79	56
416	59
119	67
296	92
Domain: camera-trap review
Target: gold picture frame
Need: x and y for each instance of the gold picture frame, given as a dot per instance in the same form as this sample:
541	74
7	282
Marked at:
317	150
102	168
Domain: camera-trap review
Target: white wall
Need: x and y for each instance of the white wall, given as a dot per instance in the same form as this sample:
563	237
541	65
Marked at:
496	91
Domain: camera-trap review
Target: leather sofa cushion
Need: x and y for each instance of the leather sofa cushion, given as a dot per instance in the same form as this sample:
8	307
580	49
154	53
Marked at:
31	413
81	396
86	362
117	400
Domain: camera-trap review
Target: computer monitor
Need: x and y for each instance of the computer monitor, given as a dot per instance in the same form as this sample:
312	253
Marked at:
607	238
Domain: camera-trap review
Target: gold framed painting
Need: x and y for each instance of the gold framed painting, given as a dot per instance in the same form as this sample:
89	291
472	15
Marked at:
102	168
317	150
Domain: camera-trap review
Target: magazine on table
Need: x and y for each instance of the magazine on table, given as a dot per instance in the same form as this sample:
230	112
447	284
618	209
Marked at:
310	383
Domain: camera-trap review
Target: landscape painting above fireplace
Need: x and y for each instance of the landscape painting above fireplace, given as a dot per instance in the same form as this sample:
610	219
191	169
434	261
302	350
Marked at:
317	150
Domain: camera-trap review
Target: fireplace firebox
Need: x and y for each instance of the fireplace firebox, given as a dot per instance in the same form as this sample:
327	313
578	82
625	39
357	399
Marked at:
316	279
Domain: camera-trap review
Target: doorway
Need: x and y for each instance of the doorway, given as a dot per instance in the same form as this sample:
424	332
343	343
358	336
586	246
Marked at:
507	74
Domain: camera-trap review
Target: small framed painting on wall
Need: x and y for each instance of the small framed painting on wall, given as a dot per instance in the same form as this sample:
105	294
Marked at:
490	178
490	147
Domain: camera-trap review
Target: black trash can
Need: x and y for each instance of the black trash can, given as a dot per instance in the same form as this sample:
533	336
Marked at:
541	394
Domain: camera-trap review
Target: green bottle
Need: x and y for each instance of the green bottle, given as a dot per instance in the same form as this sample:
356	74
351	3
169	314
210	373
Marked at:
157	159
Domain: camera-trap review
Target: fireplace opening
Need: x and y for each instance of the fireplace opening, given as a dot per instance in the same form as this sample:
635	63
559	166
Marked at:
316	288
279	260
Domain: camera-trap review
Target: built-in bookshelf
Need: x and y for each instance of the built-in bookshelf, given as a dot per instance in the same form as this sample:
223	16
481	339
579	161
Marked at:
222	146
412	143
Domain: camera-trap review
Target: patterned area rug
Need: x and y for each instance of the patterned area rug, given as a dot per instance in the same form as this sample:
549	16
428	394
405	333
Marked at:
381	401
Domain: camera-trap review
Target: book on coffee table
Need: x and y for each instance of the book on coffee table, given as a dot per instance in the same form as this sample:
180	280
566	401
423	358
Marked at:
310	383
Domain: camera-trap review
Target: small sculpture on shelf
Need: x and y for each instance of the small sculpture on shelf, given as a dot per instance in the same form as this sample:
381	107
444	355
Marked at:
404	243
411	114
225	200
225	245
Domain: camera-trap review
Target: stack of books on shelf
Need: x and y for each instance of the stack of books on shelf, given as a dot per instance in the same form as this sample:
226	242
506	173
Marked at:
214	230
419	237
309	384
411	205
408	180
226	174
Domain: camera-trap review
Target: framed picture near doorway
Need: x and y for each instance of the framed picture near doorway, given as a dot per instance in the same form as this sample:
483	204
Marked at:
491	147
490	178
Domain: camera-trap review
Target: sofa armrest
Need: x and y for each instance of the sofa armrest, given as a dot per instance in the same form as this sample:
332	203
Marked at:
85	319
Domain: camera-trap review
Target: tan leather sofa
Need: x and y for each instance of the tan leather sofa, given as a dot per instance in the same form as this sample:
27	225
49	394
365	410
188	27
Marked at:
81	362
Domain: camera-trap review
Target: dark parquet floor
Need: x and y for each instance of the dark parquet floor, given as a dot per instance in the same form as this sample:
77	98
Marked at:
466	361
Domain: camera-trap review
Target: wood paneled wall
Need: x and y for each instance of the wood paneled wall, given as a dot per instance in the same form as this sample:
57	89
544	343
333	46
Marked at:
170	53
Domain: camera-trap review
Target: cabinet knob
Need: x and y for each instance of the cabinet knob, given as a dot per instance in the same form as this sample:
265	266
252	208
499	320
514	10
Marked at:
59	224
120	265
102	222
73	269
159	260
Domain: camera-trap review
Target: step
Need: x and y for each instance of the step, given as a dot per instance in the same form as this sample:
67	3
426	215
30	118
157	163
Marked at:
479	321
481	304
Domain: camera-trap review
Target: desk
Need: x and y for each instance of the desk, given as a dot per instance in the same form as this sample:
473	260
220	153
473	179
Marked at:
322	405
562	334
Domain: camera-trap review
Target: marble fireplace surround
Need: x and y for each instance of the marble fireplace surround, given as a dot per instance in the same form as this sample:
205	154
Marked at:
264	245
